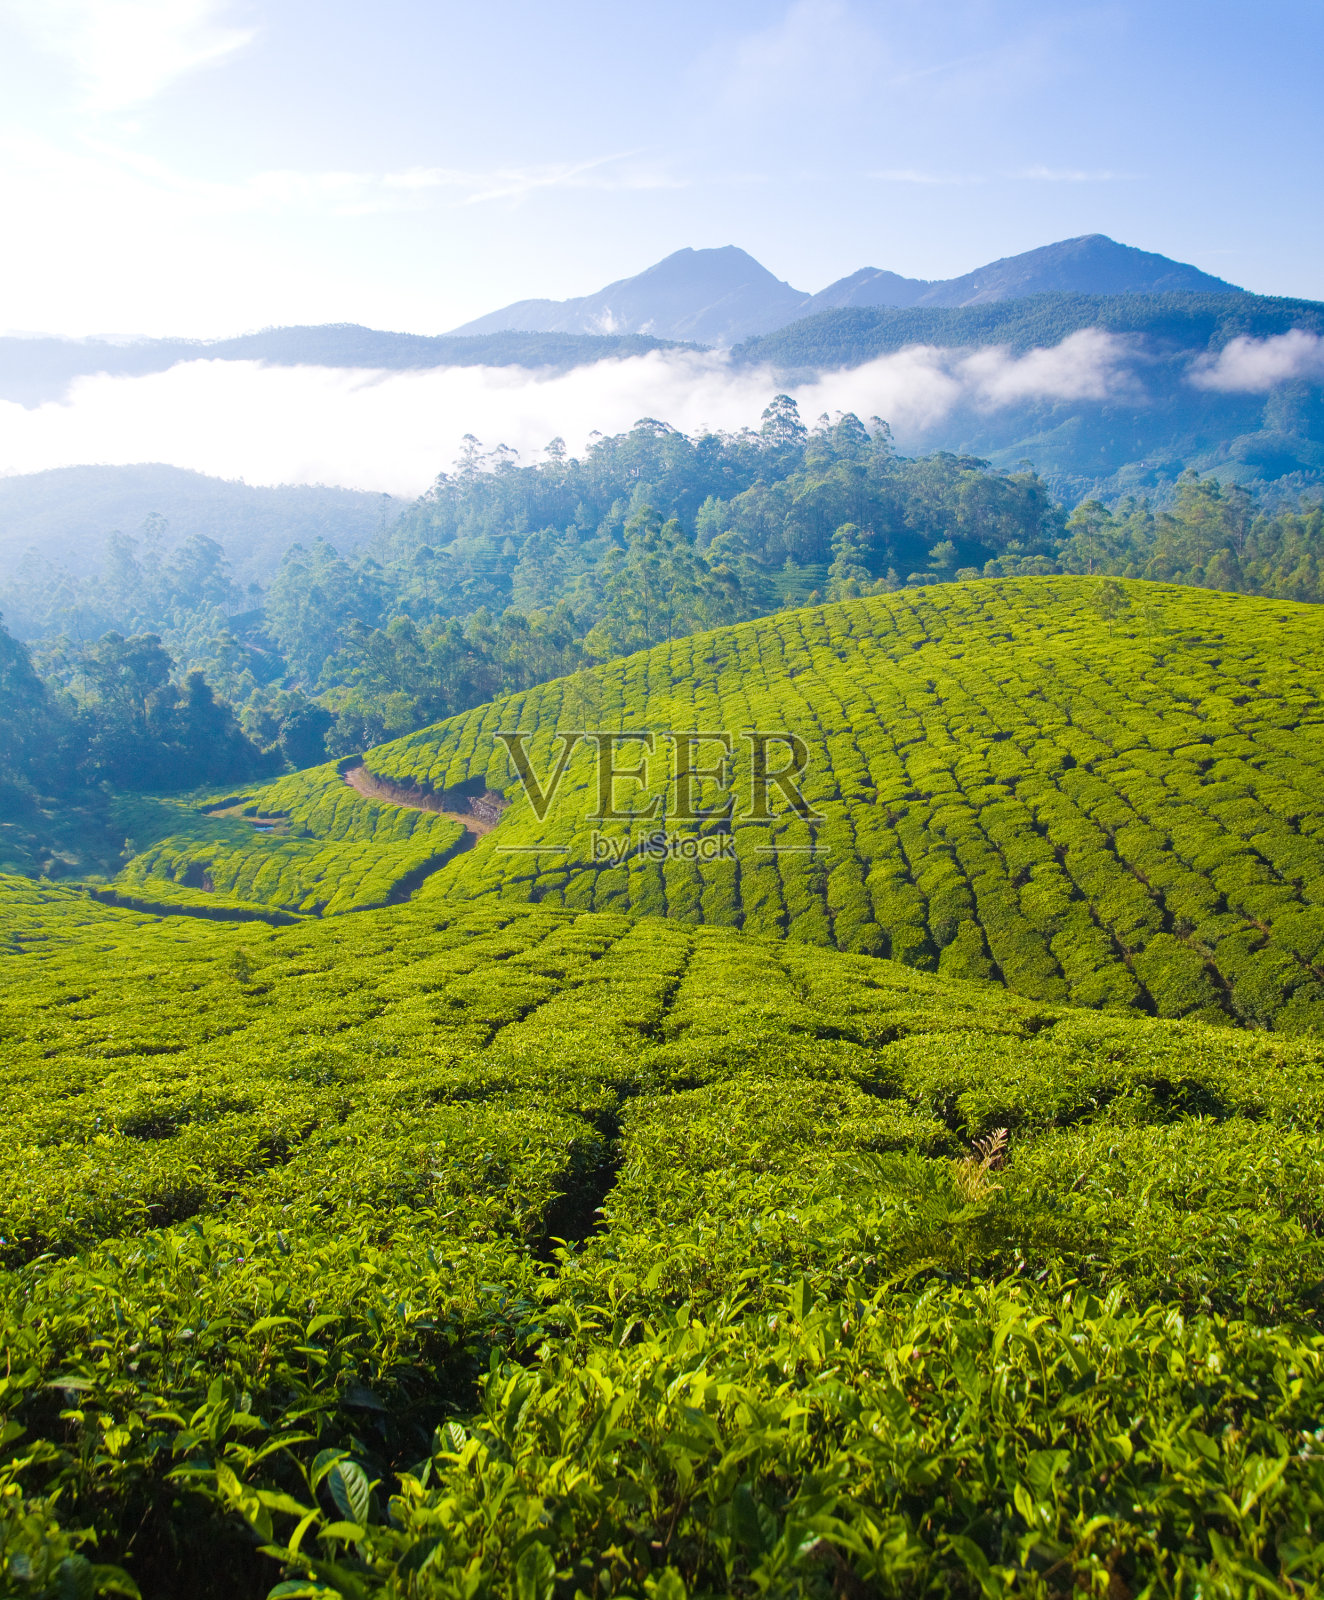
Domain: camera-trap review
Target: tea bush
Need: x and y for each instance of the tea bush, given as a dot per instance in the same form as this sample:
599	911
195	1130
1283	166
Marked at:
322	848
1110	804
500	1249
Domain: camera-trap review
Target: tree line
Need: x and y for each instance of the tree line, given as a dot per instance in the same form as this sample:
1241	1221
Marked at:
160	671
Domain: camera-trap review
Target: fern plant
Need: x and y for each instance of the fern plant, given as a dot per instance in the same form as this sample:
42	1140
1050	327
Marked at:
972	1172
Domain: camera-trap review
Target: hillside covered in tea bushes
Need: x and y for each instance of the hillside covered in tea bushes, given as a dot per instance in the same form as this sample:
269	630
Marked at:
306	843
1096	793
441	1251
408	1195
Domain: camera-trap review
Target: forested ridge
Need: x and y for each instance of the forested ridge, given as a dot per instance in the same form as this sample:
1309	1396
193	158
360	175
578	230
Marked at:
1140	437
1183	321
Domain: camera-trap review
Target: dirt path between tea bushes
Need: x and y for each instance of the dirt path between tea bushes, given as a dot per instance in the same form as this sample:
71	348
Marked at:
395	794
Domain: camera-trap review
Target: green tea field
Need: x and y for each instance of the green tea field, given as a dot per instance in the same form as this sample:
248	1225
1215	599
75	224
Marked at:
1118	807
911	1191
517	1251
305	843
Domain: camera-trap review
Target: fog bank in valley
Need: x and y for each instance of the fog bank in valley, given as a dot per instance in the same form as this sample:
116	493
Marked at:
395	431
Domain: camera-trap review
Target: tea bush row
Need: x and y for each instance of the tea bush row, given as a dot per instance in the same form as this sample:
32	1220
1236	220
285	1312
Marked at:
329	850
503	1249
1124	814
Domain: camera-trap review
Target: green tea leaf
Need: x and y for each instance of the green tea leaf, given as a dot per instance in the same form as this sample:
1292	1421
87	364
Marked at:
350	1490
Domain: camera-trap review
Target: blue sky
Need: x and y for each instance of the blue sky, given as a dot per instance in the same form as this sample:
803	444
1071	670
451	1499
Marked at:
203	167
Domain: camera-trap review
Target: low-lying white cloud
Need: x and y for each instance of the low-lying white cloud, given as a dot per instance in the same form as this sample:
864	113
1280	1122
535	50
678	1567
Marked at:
395	431
1253	366
1086	366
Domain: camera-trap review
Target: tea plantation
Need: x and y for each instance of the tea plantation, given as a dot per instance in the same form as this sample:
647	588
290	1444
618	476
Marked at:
934	1211
321	849
1120	810
506	1250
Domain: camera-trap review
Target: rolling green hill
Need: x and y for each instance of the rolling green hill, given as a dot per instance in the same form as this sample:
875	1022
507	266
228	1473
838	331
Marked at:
305	843
504	1250
548	1226
1012	786
1122	813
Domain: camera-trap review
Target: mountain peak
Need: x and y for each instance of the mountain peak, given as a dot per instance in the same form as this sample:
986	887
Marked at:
712	296
1090	264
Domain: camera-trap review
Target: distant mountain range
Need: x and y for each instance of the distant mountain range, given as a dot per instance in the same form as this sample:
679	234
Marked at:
720	297
714	297
702	297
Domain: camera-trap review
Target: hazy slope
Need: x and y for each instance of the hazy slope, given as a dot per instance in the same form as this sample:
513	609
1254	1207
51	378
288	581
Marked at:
66	513
1127	816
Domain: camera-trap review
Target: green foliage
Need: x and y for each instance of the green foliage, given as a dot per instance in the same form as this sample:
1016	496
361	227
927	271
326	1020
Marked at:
391	679
31	838
1118	807
307	842
1211	535
118	717
507	1250
24	710
658	587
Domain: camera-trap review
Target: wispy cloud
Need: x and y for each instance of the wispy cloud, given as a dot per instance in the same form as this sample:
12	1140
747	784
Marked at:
914	175
125	52
38	175
1069	175
1021	175
1252	366
903	80
515	183
822	55
817	52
